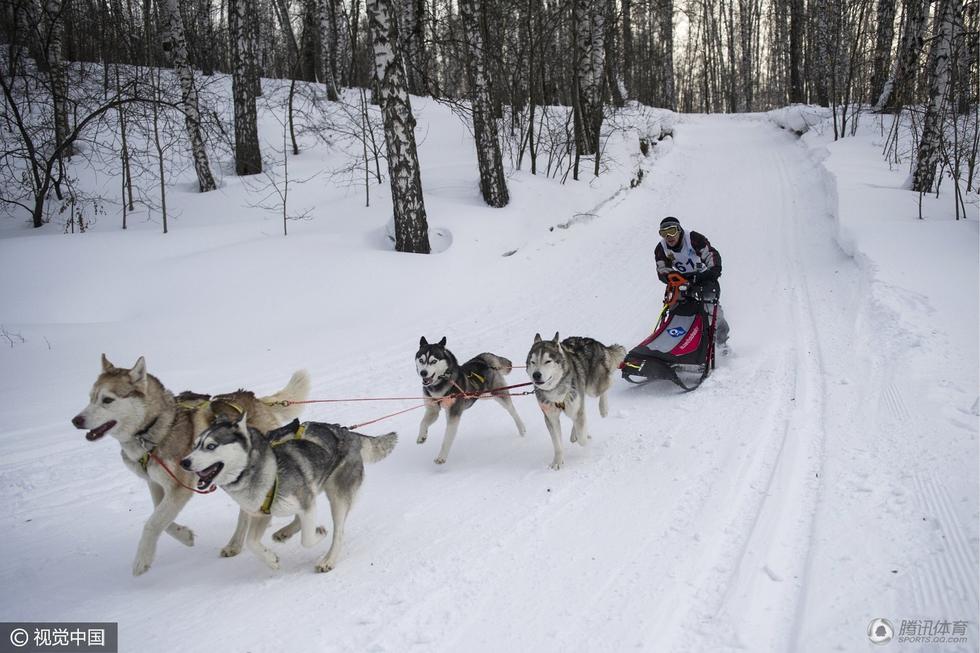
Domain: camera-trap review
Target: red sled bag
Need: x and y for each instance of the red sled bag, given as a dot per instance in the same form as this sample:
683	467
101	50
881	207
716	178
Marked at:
683	342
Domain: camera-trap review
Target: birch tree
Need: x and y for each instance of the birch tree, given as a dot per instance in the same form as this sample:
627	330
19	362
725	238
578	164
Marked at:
588	33
666	12
493	185
884	36
411	227
56	71
188	98
899	88
248	156
412	31
924	176
328	47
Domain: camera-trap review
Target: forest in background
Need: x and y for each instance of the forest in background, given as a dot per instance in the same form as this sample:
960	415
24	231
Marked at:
533	77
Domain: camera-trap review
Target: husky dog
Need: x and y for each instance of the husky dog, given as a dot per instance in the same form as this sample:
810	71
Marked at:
136	409
270	475
563	373
443	377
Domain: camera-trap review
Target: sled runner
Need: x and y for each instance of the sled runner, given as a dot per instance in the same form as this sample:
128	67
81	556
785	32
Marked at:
681	348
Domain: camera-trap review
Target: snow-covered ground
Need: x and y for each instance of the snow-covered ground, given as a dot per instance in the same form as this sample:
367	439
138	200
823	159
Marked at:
825	475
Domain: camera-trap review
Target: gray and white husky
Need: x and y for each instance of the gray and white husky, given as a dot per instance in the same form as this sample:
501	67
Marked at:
443	377
269	475
563	374
136	409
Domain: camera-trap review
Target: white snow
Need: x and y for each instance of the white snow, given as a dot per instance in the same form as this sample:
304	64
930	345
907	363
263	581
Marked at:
824	475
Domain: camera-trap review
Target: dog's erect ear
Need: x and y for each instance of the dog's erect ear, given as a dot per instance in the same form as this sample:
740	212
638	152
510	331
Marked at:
537	338
225	411
442	343
242	425
137	374
106	365
556	337
423	342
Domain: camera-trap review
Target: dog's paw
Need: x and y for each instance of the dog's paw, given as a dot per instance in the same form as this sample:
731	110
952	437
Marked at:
323	567
557	463
440	461
231	551
272	560
573	438
421	439
182	534
283	534
141	566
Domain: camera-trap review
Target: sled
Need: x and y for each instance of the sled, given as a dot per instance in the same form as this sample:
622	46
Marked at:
681	348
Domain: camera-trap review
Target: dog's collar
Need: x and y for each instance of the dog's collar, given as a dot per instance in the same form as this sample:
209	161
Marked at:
147	444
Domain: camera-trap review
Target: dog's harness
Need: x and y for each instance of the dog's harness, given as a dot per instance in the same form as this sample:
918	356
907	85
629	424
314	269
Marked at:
149	447
300	432
270	498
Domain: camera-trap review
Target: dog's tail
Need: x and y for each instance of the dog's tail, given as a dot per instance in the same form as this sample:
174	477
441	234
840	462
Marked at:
377	448
298	389
498	363
615	354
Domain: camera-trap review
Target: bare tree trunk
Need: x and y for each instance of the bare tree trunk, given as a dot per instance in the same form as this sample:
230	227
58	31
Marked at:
248	156
796	19
57	72
746	22
614	78
823	68
411	227
588	34
667	61
899	89
292	49
328	47
924	176
628	48
308	64
411	27
884	36
493	185
188	97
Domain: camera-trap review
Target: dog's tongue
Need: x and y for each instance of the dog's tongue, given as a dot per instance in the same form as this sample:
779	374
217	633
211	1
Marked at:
97	433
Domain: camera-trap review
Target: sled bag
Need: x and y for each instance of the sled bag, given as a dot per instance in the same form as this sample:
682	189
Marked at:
681	340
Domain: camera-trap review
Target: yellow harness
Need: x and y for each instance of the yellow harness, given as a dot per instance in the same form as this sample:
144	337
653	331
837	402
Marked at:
270	498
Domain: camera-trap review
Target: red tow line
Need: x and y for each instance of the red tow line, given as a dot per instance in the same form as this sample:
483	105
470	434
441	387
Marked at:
455	395
156	458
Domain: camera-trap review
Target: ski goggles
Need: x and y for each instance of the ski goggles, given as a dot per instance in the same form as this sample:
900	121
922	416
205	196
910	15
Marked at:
670	232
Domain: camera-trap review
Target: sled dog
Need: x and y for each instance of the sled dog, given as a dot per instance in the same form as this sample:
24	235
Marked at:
281	473
442	377
136	409
563	374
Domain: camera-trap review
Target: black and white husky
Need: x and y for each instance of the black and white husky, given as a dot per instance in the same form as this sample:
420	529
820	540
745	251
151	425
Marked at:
565	372
443	377
280	473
